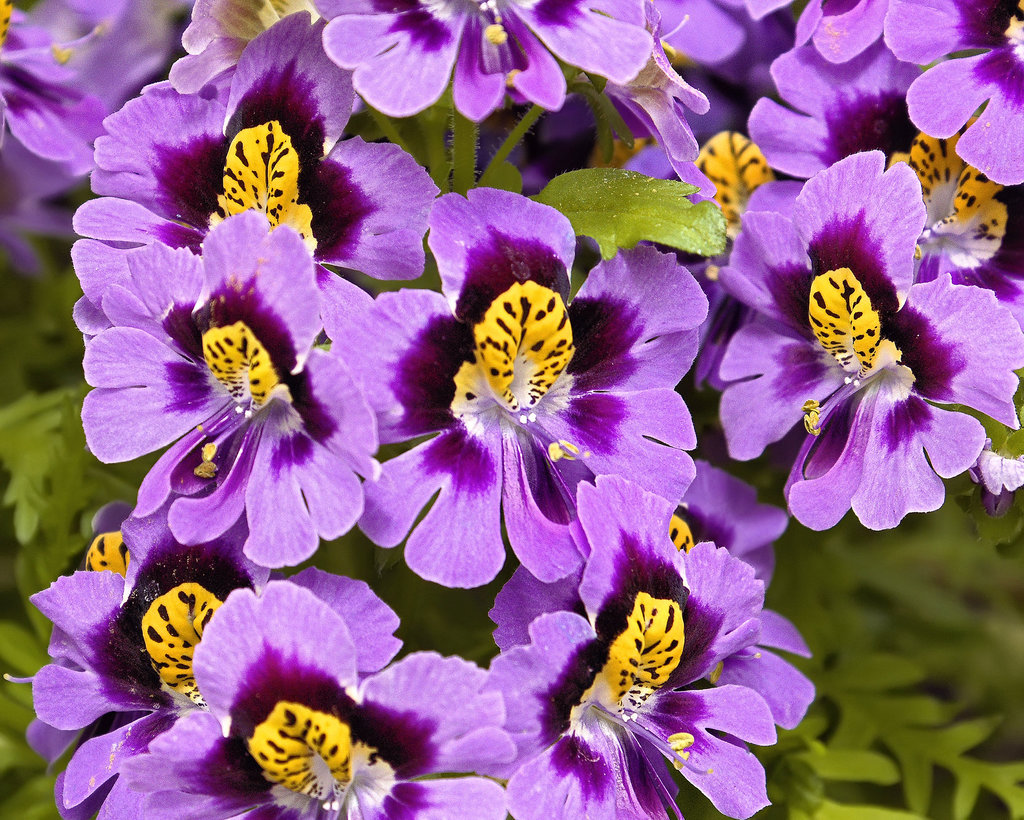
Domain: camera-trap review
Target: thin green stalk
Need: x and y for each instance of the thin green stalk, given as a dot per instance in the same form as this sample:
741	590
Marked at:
464	145
511	141
388	128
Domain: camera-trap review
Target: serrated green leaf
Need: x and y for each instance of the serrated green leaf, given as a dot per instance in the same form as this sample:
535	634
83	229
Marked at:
854	764
917	780
837	811
621	208
965	796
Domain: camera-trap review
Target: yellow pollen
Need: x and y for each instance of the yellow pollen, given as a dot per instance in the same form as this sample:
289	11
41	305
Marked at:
679	743
812	417
496	34
61	54
108	552
207	469
510	80
558	450
716	673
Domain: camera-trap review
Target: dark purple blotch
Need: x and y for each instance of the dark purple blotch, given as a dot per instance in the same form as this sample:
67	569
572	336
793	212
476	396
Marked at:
457	454
424	380
868	122
933	361
339	208
498	262
189	179
604	331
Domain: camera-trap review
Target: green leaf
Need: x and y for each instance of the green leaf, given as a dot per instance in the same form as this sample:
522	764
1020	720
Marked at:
854	764
20	650
506	177
837	811
620	208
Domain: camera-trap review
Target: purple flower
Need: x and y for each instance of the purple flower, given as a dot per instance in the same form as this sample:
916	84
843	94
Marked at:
720	508
974	230
841	29
41	101
219	32
742	180
403	53
947	95
847	344
841	109
216	354
528	396
29	186
122	651
292	731
658	97
114	46
172	166
600	694
1000	478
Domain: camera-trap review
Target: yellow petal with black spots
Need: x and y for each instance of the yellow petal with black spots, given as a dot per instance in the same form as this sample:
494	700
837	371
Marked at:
523	343
240	362
680	533
843	320
172	628
977	224
647	651
303	749
737	167
262	173
108	552
6	7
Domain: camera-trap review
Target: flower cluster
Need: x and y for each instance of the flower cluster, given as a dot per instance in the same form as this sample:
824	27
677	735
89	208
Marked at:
860	314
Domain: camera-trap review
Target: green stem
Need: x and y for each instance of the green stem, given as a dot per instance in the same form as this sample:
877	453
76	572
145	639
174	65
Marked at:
388	128
511	141
464	144
438	160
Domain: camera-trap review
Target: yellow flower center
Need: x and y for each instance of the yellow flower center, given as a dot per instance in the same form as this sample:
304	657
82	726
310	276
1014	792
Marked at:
172	627
844	321
680	533
646	652
240	362
261	173
6	7
302	749
108	552
737	167
521	346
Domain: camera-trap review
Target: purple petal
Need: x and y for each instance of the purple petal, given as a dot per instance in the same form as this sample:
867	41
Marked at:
447	692
284	75
370	621
373	202
491	239
248	627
